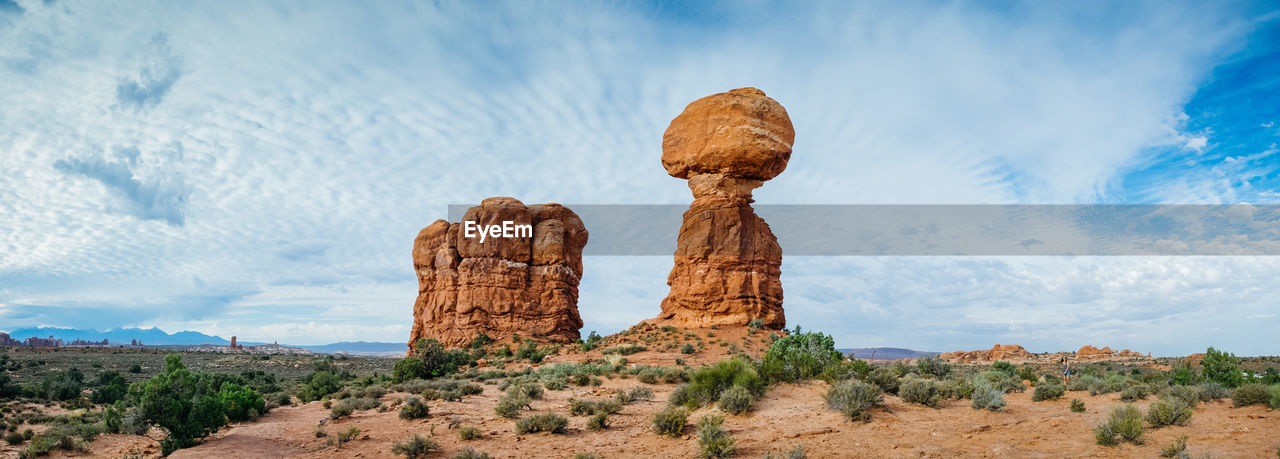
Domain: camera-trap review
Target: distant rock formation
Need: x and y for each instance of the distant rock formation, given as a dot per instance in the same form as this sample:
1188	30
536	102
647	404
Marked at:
6	340
526	284
1006	352
1092	353
727	261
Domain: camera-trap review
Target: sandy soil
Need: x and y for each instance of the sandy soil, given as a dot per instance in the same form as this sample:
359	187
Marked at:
788	415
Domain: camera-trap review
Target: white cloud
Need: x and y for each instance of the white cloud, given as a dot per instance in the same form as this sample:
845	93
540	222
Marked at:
310	144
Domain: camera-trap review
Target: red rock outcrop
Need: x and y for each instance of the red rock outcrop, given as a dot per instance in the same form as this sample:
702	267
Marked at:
1092	353
526	284
727	261
1006	352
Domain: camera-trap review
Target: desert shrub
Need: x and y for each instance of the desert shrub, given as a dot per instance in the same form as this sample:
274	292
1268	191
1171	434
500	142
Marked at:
188	405
680	396
933	366
531	352
1028	373
1250	394
414	408
586	407
854	399
1124	422
1275	397
556	384
1077	405
593	340
957	388
598	421
999	380
1222	368
627	397
713	441
1113	382
1169	412
1213	391
1182	374
350	405
799	357
886	379
241	403
797	452
469	433
415	447
688	349
1187	394
1048	391
625	349
545	422
1176	448
509	404
1135	392
14	438
1083	382
922	391
320	384
987	398
282	399
736	400
407	369
438	361
1004	367
111	387
707	383
470	453
670	421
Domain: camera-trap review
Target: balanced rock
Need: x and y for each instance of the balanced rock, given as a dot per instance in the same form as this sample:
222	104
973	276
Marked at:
522	281
727	261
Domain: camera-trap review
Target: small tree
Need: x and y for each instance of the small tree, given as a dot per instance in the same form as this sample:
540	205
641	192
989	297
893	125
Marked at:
1222	367
181	402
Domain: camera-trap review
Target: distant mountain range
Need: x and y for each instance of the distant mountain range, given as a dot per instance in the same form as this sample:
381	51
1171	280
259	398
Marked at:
885	353
157	337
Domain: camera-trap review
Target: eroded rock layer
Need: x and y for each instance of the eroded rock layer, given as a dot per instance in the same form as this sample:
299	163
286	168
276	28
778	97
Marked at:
727	261
525	284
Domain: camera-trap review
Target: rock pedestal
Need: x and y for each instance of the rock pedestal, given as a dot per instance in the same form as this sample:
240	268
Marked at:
727	261
526	283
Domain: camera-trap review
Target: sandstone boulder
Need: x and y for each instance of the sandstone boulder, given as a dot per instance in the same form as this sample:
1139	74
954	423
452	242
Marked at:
526	284
1006	352
727	261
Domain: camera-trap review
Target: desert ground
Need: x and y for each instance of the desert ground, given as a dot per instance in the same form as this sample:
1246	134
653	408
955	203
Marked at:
786	416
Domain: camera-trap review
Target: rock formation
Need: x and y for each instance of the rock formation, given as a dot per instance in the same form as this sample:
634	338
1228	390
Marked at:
1006	352
727	261
526	284
1092	353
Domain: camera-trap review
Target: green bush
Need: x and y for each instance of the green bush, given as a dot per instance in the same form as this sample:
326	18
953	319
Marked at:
349	434
799	357
545	422
1176	448
736	400
854	399
510	404
1169	412
999	380
437	360
933	366
886	379
1004	367
414	408
593	340
470	453
189	405
111	387
1110	383
416	447
707	383
1135	392
1048	391
688	349
1210	391
1250	394
1082	382
957	388
14	438
1182	374
587	407
598	421
1124	422
241	403
625	349
921	391
469	433
1222	368
320	384
1190	395
1275	397
713	441
350	405
670	421
1077	405
407	369
627	397
987	398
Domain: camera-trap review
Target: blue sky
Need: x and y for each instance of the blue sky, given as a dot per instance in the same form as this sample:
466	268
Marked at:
260	169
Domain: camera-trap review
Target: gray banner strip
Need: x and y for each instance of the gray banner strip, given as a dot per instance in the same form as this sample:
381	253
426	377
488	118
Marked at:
958	230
